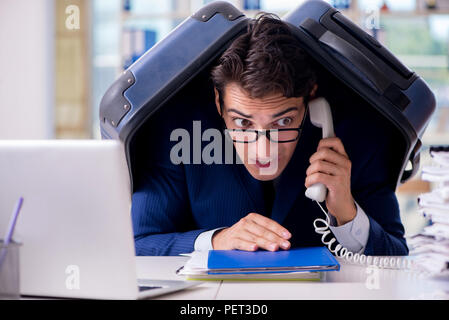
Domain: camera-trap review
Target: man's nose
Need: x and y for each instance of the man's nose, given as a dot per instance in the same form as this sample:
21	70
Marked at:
263	146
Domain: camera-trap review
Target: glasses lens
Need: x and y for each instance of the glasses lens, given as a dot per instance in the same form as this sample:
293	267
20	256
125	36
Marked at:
284	135
242	136
275	135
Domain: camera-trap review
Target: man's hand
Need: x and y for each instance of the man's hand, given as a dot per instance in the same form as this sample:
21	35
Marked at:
331	166
252	232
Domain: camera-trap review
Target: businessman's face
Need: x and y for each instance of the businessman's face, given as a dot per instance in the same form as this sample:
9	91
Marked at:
264	159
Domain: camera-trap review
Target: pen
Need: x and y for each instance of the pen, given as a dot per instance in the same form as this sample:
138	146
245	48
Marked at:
10	230
179	269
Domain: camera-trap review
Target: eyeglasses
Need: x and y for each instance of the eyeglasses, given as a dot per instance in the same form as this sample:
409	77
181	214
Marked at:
282	135
274	135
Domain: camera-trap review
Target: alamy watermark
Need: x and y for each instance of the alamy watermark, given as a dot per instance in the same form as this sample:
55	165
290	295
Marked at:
372	17
72	21
189	150
372	280
72	281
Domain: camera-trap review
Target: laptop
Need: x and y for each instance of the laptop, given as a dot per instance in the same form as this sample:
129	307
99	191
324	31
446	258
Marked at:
75	224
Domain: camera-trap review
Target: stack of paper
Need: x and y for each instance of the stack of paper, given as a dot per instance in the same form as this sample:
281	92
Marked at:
298	264
431	246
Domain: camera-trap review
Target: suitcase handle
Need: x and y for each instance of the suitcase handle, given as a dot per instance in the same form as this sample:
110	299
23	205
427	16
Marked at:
349	51
414	160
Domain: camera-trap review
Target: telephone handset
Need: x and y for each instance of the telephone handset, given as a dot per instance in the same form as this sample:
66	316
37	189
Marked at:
321	116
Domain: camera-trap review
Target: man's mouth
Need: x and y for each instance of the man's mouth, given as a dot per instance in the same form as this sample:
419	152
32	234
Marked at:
263	163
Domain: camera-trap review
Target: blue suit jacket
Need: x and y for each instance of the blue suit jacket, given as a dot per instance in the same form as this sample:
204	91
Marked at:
173	204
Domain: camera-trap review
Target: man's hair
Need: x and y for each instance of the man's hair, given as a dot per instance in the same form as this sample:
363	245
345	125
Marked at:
267	59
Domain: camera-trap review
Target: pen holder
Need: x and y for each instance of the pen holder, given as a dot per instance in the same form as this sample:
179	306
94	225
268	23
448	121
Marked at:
9	270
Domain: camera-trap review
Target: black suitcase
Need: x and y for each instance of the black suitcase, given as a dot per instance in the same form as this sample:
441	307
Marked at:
371	70
349	57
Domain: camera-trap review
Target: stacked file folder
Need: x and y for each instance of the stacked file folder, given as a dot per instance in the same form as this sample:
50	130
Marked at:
299	264
431	246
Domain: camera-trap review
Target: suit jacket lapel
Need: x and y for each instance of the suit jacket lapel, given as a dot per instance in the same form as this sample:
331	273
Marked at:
252	187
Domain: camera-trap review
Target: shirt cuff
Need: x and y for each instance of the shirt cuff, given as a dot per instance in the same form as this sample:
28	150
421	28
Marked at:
204	240
354	234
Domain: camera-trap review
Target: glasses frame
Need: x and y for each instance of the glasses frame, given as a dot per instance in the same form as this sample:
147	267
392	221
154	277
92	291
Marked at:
267	132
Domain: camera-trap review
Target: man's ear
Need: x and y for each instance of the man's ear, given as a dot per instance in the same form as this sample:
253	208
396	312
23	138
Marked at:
217	101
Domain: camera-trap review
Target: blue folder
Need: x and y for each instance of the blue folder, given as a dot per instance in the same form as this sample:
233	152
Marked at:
293	260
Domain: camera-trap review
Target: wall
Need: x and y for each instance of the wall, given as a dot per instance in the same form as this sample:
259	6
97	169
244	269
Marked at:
26	66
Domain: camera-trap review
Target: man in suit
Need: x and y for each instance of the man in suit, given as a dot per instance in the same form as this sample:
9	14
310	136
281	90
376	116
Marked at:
261	87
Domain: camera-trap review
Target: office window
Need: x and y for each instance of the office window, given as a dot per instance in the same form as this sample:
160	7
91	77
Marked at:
421	42
122	30
105	52
279	6
403	5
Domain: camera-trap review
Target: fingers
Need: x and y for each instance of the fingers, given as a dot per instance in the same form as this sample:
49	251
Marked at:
331	156
328	180
330	165
332	151
270	224
333	143
260	242
263	237
323	167
252	232
242	244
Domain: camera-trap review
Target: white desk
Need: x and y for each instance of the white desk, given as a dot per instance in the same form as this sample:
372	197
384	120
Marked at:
351	282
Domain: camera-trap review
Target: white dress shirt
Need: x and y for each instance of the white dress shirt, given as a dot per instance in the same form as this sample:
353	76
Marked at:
352	235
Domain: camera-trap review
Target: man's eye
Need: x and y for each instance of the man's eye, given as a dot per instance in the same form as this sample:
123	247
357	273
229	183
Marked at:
239	122
284	122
